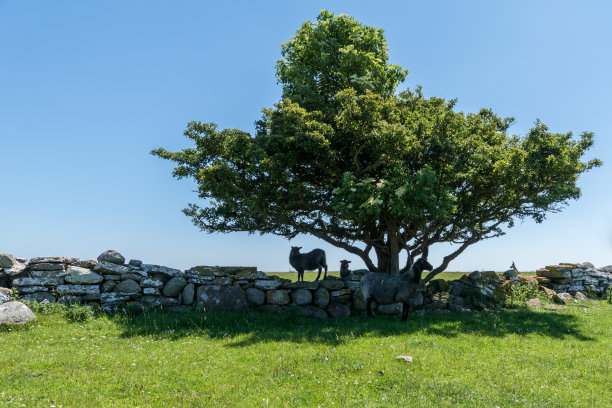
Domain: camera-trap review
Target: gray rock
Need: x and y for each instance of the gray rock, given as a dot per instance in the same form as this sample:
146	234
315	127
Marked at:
300	285
89	264
37	281
115	278
255	296
301	297
152	283
151	292
31	289
15	270
158	270
84	276
174	286
476	275
157	301
221	297
70	300
13	313
133	276
188	294
535	302
135	262
57	274
7	261
313	312
277	297
563	298
580	297
53	259
338	310
108	286
45	266
108	268
268	284
340	296
358	300
320	298
128	286
391	309
331	284
41	297
78	289
5	295
114	298
111	256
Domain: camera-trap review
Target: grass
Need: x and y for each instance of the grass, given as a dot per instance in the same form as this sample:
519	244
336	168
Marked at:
510	358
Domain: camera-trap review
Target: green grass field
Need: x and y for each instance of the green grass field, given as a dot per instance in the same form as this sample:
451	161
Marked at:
510	358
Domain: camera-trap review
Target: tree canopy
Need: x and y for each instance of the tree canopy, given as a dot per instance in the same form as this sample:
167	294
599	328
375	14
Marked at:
347	158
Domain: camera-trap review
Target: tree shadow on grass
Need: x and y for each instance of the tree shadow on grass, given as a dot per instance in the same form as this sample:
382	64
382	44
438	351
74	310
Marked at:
251	327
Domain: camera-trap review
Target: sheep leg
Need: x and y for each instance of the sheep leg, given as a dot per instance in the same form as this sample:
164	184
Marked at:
405	307
368	303
319	274
325	265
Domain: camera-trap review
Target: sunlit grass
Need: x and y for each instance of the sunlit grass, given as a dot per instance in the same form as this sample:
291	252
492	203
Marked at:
511	358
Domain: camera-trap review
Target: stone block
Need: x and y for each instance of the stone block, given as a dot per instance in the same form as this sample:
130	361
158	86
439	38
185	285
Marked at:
255	296
277	297
301	297
78	275
174	286
221	297
111	256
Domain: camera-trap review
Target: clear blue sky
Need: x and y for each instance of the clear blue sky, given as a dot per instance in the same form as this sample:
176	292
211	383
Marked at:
87	89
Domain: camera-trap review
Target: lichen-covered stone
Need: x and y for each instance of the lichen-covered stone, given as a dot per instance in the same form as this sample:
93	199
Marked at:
340	296
128	286
108	286
111	256
88	263
268	284
314	285
37	281
277	297
135	262
38	297
78	275
313	312
158	270
174	286
338	310
5	295
221	297
109	268
331	284
301	297
151	291
151	283
53	259
7	260
15	270
45	266
320	297
15	313
56	274
255	296
78	289
188	294
563	298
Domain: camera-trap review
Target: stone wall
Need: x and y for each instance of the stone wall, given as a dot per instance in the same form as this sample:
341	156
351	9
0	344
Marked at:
109	283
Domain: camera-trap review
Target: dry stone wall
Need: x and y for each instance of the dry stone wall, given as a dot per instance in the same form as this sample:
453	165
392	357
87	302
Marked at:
110	283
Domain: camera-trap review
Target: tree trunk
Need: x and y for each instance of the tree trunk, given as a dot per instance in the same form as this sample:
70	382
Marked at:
388	256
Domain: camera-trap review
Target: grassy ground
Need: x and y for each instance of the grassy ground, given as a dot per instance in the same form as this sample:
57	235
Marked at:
511	358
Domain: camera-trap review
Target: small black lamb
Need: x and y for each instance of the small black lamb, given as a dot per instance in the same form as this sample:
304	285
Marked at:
386	289
310	261
345	272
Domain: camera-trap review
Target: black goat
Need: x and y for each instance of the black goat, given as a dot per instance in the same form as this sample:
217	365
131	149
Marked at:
309	261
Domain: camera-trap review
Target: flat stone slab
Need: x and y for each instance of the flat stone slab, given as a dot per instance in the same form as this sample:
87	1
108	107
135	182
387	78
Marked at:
15	313
78	289
37	281
53	259
106	268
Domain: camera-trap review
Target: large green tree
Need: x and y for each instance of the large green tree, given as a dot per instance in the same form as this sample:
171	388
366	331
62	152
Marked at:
346	158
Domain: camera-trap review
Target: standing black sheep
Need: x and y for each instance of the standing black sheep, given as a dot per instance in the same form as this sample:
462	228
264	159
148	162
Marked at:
386	289
310	261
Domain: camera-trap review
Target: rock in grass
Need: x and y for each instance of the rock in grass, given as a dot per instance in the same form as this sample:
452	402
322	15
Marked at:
535	302
5	295
562	298
15	313
338	310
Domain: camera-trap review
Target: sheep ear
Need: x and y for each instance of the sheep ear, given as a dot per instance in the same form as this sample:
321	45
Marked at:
348	261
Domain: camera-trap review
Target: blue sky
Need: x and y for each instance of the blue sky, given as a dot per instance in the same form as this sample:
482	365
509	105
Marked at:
88	89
